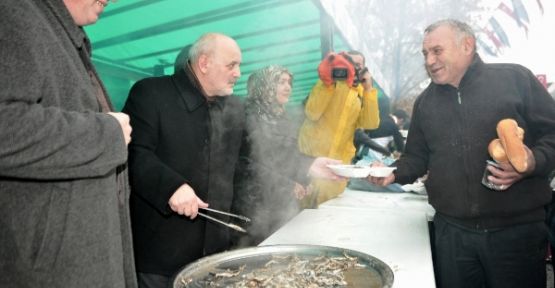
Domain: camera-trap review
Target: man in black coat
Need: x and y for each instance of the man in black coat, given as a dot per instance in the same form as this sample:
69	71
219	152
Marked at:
483	237
186	139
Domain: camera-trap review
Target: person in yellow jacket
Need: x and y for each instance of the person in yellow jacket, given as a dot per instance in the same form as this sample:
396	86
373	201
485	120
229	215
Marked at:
334	110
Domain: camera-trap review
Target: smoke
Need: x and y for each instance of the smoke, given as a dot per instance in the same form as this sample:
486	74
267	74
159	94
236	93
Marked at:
267	175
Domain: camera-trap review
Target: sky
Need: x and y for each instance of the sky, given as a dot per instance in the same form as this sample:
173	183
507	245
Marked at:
536	50
533	48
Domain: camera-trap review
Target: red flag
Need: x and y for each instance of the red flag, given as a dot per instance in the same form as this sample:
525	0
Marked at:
543	79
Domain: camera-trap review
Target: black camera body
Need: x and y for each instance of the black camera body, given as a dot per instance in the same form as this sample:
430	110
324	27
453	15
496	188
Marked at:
339	73
356	79
337	67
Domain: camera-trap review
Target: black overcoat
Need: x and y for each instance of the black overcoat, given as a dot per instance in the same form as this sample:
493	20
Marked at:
178	137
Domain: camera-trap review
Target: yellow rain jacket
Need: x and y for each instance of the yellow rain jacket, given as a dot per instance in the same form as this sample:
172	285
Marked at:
332	114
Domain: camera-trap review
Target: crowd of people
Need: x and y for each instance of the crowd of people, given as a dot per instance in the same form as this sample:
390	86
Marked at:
90	197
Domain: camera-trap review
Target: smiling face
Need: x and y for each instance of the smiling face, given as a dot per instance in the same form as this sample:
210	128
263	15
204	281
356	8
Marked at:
447	56
85	12
283	88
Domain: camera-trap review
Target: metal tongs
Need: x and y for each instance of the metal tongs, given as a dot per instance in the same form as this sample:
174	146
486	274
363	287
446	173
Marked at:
230	225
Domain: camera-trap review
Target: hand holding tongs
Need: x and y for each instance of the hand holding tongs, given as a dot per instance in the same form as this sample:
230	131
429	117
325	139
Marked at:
230	225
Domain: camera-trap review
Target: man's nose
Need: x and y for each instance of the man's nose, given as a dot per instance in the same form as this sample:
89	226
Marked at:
430	60
237	72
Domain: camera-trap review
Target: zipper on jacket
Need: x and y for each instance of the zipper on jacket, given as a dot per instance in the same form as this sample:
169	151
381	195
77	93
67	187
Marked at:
465	145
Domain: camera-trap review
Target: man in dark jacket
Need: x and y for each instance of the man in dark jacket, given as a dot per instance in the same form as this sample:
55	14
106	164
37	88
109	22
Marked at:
483	237
186	140
64	217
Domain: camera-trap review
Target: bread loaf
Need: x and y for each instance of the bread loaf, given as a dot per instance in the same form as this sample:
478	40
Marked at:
511	136
497	152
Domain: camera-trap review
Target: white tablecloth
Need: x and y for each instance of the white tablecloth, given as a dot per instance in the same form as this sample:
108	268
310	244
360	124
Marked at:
395	232
382	200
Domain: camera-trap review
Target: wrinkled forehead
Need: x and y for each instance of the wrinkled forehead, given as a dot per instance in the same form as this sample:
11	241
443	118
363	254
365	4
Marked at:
227	51
441	36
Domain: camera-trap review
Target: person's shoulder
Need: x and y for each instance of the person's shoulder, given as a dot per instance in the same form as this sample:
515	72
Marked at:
151	83
511	68
23	22
149	89
426	92
153	80
425	96
21	12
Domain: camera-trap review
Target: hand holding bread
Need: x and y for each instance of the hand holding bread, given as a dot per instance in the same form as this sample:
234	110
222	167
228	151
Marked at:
509	147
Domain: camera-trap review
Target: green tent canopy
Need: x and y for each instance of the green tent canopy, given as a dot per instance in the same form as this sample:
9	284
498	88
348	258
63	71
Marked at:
138	39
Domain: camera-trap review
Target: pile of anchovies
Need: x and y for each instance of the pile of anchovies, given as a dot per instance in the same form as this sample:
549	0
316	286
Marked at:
285	272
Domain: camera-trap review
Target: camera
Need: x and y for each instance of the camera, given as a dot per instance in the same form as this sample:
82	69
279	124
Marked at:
338	67
338	73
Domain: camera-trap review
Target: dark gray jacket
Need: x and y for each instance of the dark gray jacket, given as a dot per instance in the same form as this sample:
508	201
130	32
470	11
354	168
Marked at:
449	138
63	207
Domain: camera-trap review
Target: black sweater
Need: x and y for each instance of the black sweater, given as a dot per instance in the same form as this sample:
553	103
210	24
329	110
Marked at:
450	132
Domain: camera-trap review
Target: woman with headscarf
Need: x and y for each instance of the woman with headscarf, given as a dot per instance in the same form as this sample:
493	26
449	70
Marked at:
272	173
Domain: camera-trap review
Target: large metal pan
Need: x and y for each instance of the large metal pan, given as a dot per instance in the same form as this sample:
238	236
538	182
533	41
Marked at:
375	273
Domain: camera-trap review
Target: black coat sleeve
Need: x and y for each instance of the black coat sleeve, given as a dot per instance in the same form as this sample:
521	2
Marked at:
540	121
361	138
150	178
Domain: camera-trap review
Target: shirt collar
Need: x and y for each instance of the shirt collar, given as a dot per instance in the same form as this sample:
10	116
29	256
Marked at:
472	70
186	74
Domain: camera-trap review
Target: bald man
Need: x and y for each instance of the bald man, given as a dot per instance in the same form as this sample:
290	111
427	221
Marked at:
186	139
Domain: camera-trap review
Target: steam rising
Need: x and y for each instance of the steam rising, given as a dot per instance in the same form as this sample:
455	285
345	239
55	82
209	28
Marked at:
269	163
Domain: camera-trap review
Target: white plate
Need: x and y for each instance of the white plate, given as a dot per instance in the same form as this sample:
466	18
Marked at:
350	171
380	171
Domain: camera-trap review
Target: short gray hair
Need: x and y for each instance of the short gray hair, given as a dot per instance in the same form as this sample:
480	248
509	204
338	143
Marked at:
462	29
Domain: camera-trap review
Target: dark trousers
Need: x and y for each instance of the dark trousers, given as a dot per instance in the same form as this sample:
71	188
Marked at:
149	280
490	258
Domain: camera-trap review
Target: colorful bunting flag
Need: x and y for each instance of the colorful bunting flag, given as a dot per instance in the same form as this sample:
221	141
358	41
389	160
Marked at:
520	11
493	38
486	47
511	13
497	35
540	5
499	31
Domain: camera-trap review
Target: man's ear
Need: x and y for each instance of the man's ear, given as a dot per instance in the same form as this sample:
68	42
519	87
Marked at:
469	44
203	63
